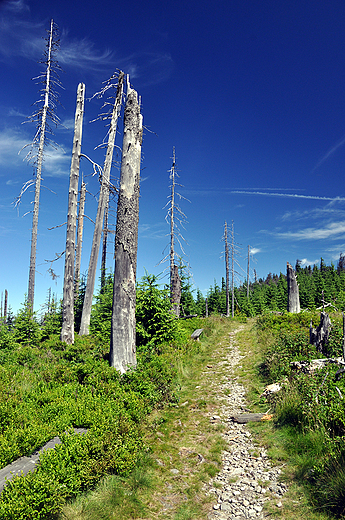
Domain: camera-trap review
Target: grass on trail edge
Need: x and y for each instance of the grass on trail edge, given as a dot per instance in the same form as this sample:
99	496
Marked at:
183	447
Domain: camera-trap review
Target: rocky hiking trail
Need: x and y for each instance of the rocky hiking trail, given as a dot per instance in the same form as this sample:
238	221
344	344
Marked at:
246	481
243	479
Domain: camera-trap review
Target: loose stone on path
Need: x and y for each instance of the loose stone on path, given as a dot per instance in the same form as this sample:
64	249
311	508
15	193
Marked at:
245	482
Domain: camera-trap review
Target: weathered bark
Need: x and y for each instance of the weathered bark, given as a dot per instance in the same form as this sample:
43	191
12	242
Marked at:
41	132
79	237
293	291
319	336
175	291
67	330
206	307
122	343
102	202
104	247
227	274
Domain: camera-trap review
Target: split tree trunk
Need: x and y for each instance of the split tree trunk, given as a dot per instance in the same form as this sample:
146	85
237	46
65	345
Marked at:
104	247
293	291
67	330
122	343
319	336
102	202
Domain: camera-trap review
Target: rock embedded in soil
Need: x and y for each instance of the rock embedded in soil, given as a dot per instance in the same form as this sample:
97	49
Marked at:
246	481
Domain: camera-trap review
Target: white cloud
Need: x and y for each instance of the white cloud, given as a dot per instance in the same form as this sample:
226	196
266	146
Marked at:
20	36
330	152
11	142
304	262
254	250
331	230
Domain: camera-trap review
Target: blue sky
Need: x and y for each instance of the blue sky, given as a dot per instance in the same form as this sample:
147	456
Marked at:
250	93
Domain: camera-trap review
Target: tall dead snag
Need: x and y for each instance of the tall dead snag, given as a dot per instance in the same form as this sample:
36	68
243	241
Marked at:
248	268
79	237
293	304
41	117
227	274
67	330
122	342
174	217
175	290
102	203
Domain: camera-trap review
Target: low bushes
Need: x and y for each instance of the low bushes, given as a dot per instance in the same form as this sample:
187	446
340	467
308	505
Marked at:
310	407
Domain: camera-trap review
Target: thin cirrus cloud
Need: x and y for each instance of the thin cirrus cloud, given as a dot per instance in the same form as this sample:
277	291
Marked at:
12	153
330	152
22	37
287	195
333	230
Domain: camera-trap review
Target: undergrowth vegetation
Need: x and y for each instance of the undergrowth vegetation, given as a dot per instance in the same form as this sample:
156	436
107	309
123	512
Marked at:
48	388
310	408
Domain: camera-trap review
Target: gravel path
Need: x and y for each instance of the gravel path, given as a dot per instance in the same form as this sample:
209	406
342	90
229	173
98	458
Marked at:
246	481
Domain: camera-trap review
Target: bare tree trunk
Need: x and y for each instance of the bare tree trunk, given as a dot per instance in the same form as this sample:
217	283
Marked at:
175	283
79	237
232	270
41	131
175	291
226	269
67	330
102	201
248	272
293	291
122	343
206	307
5	305
104	247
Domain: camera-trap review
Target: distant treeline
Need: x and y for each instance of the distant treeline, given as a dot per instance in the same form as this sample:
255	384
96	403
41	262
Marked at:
270	293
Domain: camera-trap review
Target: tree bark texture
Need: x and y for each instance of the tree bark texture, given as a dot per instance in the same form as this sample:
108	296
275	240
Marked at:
293	291
79	237
320	336
122	343
67	330
104	247
102	202
176	292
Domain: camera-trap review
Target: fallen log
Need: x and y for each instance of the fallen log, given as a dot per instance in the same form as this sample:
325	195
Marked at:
309	366
249	417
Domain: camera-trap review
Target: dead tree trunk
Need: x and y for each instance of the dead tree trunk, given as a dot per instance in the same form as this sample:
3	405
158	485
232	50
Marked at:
248	269
104	247
40	138
319	336
206	307
67	330
227	275
122	343
232	270
102	201
79	237
5	305
175	291
293	292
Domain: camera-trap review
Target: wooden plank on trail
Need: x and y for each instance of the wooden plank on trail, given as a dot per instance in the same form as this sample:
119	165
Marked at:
247	417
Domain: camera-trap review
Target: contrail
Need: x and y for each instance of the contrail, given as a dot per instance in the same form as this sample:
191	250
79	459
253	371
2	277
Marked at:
291	195
330	152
